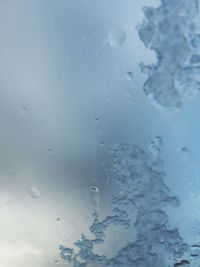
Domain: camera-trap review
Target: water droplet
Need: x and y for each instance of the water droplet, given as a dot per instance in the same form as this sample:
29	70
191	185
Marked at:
116	38
94	189
129	76
50	151
94	197
102	143
34	193
97	120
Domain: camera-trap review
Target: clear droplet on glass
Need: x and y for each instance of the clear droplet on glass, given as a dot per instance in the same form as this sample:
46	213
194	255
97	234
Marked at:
129	75
94	198
34	193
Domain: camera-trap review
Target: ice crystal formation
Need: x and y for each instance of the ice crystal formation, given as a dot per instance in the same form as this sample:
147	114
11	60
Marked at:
171	30
142	198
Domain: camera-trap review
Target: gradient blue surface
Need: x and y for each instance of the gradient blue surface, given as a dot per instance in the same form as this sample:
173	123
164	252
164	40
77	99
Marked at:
85	127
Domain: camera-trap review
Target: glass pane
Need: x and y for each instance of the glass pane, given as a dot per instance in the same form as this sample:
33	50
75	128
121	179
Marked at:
99	112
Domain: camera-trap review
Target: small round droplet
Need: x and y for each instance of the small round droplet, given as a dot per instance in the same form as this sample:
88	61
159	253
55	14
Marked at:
34	193
129	76
94	189
102	143
94	197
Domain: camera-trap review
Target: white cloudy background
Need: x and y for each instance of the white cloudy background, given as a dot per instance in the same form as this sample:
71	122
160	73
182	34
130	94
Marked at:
65	93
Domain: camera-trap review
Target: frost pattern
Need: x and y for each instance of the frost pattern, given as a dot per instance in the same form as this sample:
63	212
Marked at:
170	30
143	194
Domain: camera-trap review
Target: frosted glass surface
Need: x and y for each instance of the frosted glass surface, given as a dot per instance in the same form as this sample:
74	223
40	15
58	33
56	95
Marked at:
99	139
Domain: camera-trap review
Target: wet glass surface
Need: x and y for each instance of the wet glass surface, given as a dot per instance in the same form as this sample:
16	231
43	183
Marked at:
99	116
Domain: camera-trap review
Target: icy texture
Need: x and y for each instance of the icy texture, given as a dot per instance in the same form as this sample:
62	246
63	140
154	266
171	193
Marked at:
142	193
170	31
155	147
